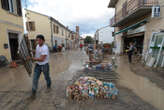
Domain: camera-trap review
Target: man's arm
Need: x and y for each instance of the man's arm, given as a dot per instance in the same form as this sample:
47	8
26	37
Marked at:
41	59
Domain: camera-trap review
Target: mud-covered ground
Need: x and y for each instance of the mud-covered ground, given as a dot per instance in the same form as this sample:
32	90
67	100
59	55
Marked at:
154	75
15	89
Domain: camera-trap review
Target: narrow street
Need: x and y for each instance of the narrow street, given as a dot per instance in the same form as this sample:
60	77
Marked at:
81	54
16	88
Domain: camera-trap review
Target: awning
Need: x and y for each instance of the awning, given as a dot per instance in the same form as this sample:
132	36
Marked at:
131	27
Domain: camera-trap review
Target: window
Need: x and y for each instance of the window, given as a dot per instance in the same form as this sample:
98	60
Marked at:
30	26
56	29
155	11
5	4
19	8
13	6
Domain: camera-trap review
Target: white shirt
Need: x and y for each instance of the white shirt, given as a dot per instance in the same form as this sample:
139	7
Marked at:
42	50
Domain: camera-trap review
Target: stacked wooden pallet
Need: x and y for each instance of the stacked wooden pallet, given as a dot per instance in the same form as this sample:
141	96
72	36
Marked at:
24	53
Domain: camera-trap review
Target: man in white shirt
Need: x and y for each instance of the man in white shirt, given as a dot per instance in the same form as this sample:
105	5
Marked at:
42	64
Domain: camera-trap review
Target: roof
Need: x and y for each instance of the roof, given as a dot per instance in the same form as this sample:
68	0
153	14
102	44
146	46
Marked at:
36	12
51	18
112	3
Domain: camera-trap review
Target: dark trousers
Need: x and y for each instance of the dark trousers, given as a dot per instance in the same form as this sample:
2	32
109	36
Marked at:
37	72
130	57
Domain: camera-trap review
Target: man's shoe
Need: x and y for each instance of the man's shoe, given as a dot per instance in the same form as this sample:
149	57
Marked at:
48	89
33	96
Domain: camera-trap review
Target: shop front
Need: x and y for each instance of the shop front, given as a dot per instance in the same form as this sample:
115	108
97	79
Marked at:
134	33
136	36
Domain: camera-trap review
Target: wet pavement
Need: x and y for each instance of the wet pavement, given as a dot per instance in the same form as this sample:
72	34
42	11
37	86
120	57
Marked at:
155	75
15	88
140	85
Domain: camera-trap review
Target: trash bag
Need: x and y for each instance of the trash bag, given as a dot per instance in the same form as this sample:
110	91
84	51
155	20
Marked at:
3	61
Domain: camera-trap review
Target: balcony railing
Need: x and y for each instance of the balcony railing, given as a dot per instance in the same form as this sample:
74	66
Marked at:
130	7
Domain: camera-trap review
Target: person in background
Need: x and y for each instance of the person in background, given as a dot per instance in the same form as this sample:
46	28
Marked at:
55	46
81	46
42	64
63	49
130	52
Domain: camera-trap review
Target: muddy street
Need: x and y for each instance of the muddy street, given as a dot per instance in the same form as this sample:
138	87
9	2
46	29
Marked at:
81	54
18	84
15	88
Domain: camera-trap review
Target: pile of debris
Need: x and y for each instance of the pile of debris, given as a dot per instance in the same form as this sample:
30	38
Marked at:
91	88
101	67
3	61
104	72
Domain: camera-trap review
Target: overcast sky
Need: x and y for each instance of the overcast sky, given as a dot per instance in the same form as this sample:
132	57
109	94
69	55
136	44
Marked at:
88	14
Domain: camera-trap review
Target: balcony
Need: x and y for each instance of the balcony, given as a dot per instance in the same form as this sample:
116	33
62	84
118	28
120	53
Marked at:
132	10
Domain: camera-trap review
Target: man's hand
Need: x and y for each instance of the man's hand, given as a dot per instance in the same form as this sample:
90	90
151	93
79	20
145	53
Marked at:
30	58
33	51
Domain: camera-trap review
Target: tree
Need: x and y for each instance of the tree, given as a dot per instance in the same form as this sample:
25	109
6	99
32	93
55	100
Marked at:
88	40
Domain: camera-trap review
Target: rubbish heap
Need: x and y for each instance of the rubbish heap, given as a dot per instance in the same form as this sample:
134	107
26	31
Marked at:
3	61
104	67
90	88
103	72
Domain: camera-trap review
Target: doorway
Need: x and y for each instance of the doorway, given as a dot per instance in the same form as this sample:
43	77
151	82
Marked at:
138	42
14	44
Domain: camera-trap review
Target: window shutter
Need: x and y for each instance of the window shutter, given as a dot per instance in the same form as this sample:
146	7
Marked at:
5	4
33	26
155	11
27	26
54	28
30	26
19	8
57	30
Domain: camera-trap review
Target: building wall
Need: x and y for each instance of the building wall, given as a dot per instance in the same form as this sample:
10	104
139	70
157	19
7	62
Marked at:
118	42
96	37
9	22
105	35
118	38
119	5
62	35
42	26
154	25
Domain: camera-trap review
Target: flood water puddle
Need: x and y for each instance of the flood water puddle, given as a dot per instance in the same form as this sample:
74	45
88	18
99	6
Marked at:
140	85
